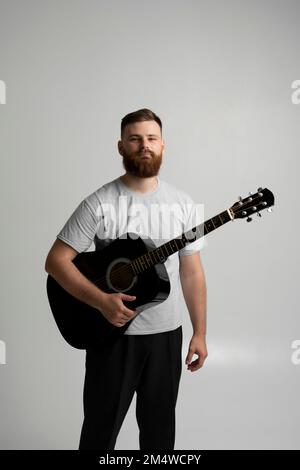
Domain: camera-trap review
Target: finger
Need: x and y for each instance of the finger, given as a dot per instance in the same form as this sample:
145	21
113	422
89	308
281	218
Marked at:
194	363
125	319
201	362
127	297
197	364
127	312
189	357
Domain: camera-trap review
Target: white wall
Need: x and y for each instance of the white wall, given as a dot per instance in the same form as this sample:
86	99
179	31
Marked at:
219	74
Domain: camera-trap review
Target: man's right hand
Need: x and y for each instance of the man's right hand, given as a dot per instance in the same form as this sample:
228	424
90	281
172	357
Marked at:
113	309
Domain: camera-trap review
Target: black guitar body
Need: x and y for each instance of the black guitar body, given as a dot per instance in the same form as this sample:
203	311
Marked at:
126	265
83	326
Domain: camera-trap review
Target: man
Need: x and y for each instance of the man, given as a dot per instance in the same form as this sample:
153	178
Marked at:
146	359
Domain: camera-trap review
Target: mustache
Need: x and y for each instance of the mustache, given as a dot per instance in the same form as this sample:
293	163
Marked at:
138	155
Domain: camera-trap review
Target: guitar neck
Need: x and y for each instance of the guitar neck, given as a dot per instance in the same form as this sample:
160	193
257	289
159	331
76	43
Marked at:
161	253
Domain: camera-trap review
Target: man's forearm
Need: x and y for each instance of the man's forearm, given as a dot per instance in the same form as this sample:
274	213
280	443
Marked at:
73	281
195	295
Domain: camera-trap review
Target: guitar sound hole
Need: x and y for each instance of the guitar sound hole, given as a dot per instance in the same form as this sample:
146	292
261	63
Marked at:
120	276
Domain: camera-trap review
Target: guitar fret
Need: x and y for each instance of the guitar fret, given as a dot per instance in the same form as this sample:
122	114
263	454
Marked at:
209	225
155	254
216	221
139	263
134	267
181	243
184	240
222	217
174	242
144	257
158	251
150	256
159	254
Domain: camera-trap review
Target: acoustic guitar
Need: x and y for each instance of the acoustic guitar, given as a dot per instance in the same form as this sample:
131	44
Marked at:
135	266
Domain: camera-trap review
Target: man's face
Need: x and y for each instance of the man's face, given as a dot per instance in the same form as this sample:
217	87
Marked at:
142	148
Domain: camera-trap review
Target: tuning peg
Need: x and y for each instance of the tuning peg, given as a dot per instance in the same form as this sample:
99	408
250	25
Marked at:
249	219
258	214
270	209
250	193
259	189
240	200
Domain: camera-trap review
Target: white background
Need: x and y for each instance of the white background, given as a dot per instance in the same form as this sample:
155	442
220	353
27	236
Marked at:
219	75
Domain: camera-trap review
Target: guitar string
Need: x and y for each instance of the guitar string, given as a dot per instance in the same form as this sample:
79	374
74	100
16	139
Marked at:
127	266
116	275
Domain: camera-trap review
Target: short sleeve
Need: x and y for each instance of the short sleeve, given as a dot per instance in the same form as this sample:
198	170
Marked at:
194	217
80	229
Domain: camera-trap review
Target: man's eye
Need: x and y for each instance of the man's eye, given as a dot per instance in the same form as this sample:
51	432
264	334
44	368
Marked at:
135	138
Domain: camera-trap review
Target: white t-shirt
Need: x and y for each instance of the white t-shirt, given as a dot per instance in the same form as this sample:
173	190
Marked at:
161	214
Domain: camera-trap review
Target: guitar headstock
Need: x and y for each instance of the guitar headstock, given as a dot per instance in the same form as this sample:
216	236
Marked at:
252	204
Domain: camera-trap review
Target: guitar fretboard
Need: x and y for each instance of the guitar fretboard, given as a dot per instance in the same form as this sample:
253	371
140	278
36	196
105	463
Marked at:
161	253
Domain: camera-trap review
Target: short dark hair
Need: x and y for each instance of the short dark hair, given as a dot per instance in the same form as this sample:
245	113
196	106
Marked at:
138	116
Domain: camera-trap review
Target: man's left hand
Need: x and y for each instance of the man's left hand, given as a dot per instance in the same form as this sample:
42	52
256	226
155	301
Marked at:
197	346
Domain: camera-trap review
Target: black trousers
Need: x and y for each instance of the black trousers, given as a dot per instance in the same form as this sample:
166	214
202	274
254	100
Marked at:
149	365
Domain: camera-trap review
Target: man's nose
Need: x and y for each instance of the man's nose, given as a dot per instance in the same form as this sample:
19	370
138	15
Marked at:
144	143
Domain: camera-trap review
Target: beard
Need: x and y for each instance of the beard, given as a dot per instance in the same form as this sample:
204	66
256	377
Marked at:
146	168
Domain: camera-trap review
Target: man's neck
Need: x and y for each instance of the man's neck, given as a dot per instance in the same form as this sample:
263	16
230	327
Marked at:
141	185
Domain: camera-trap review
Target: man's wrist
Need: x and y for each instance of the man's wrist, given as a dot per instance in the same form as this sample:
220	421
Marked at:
101	298
199	333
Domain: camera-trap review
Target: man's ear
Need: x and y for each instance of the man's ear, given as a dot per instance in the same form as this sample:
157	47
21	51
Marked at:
120	147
